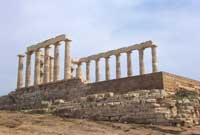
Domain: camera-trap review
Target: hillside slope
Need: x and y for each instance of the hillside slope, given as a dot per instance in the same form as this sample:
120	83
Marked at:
16	123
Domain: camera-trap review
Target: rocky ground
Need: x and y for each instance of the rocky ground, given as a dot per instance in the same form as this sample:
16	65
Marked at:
16	123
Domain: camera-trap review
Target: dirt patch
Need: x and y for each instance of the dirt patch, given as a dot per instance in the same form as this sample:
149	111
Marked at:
15	123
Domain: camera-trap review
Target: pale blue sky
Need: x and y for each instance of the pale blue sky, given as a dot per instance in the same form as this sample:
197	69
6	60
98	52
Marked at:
101	25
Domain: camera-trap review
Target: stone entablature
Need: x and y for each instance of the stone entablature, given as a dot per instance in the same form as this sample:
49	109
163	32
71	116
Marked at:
46	43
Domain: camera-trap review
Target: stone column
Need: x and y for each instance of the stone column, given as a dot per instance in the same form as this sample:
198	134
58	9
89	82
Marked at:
154	59
79	71
51	69
97	70
41	67
88	70
129	64
67	68
141	61
28	69
118	66
37	67
46	65
20	72
56	62
107	68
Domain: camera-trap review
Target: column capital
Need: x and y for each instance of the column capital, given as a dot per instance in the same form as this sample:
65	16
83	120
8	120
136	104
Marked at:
21	55
107	57
37	50
129	52
154	46
118	54
47	47
57	44
97	59
89	61
79	64
67	40
141	49
29	52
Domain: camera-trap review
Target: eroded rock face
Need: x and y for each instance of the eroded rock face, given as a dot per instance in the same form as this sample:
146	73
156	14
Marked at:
140	106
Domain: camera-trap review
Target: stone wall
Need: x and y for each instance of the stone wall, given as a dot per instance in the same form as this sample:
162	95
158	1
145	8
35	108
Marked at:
141	106
173	82
31	97
132	107
123	100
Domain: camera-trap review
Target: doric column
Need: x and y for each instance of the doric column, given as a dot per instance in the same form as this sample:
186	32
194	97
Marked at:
51	68
88	70
46	65
154	59
37	67
56	62
97	70
41	67
67	68
129	64
118	66
141	61
20	72
28	69
107	68
79	71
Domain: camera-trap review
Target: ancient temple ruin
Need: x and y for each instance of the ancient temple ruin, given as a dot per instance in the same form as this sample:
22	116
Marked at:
147	98
47	68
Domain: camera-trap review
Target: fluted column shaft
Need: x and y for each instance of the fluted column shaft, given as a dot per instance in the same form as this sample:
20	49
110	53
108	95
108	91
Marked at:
79	71
129	64
88	71
37	67
118	66
107	59
56	63
97	71
28	69
67	68
46	65
141	61
154	59
51	69
20	72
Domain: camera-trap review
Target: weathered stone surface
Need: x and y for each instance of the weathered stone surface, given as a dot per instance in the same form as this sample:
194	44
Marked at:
46	43
118	51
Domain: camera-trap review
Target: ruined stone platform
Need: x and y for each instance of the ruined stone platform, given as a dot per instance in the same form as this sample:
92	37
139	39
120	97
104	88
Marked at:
144	98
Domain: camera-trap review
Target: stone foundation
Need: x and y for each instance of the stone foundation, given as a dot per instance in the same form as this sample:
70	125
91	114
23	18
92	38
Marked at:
138	99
